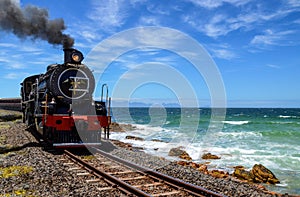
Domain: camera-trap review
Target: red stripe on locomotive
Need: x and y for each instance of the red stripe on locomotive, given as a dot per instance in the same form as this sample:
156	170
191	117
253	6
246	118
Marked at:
65	123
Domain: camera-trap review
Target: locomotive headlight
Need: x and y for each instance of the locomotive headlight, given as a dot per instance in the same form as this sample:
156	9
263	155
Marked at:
77	57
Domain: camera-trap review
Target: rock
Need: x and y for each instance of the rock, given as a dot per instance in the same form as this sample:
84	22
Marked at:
203	168
242	174
122	144
258	174
127	127
136	148
116	127
156	140
263	175
219	174
185	156
210	156
183	163
195	165
177	152
240	167
130	137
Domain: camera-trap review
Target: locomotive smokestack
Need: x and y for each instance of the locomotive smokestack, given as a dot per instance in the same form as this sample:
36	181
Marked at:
72	56
32	22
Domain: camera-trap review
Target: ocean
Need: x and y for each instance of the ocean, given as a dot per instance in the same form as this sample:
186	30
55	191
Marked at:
245	136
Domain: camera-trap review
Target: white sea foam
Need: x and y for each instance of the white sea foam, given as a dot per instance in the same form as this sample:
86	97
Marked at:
236	122
283	116
238	134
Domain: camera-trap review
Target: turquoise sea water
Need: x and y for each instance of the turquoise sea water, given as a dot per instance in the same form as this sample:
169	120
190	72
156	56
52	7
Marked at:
244	137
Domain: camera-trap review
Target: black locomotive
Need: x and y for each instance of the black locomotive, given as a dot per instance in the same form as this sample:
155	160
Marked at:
60	104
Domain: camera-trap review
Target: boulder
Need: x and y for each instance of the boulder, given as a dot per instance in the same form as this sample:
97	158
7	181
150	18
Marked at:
116	127
122	144
178	152
183	163
210	156
258	174
185	156
263	175
195	165
242	174
128	127
219	174
130	137
156	140
203	168
175	152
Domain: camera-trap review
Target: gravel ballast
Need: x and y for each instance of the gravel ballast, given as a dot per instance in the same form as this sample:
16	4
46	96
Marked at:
47	175
43	173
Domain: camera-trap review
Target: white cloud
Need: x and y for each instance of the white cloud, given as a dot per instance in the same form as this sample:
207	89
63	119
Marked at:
149	20
223	54
160	9
247	18
8	45
211	4
136	2
273	66
108	14
216	26
293	3
269	37
16	75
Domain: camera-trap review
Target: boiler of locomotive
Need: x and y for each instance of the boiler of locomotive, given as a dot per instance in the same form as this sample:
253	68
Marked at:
69	81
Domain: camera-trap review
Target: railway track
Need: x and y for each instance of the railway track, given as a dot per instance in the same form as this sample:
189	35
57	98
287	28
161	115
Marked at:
131	179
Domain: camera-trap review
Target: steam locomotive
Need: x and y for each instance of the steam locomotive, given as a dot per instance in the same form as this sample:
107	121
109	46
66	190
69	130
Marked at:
60	106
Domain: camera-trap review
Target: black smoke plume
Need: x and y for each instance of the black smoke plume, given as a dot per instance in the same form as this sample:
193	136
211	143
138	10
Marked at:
32	22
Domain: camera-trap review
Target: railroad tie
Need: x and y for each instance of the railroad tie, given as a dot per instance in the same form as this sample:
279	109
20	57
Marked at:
166	193
93	180
122	172
112	167
67	164
74	168
149	185
133	178
83	174
104	188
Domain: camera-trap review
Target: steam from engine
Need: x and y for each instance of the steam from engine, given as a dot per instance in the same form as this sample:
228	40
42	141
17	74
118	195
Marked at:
32	22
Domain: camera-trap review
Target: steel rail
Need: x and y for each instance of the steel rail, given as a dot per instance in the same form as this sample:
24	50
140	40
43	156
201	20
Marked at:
107	176
194	189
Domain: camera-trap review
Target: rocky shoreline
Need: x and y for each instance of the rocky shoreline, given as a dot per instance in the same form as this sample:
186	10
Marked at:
258	174
27	170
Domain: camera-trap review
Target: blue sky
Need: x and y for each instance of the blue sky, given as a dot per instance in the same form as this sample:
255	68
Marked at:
254	44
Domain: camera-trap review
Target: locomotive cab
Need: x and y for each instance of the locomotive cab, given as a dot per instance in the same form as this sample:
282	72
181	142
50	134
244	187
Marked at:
27	98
